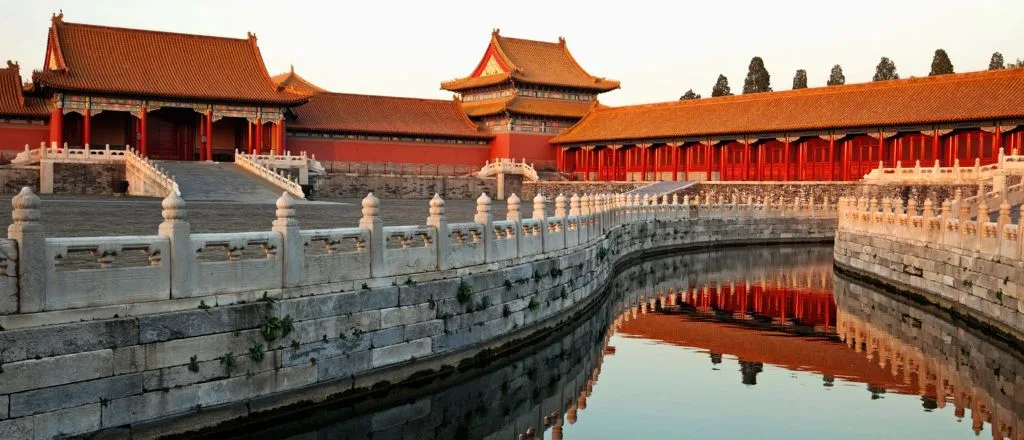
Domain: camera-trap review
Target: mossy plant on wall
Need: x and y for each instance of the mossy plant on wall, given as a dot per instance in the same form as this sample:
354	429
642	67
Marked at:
464	292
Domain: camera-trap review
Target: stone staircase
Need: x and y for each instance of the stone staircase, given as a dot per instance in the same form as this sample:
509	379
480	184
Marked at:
219	181
662	188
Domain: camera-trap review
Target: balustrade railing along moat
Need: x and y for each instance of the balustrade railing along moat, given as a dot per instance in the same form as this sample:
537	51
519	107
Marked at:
51	274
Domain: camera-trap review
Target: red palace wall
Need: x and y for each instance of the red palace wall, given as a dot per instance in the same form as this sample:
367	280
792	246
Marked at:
535	148
14	135
390	152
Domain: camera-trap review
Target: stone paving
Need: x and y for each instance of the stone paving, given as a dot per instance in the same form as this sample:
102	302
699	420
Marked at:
82	216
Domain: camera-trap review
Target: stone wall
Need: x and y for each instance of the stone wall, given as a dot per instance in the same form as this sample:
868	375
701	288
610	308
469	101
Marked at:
177	365
402	187
14	178
550	189
86	178
980	287
830	190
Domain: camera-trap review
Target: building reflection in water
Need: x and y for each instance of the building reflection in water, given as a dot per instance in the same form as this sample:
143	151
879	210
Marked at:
758	306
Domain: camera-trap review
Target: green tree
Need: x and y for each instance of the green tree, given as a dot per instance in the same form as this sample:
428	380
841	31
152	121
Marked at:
800	79
1016	64
836	78
758	80
885	70
996	63
689	95
941	64
721	87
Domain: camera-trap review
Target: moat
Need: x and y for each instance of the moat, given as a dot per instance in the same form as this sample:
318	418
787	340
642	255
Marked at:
736	343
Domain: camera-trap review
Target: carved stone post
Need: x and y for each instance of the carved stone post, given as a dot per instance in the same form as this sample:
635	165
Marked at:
513	209
483	217
438	220
574	205
560	210
293	248
183	257
371	222
514	216
538	208
28	231
1004	217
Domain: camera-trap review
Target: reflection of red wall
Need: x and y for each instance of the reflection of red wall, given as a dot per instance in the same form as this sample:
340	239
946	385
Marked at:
535	148
14	136
393	152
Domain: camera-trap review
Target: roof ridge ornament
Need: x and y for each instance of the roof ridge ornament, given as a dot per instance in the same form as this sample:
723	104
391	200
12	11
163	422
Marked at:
561	40
251	36
496	32
58	17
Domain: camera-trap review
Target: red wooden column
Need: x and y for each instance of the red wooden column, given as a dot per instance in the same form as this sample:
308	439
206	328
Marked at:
281	132
142	132
707	158
686	162
786	158
723	155
628	156
935	147
208	147
86	127
675	162
643	163
760	163
57	126
881	145
746	159
831	156
844	170
257	147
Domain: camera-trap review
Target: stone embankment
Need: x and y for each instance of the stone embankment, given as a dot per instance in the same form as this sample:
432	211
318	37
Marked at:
159	334
966	264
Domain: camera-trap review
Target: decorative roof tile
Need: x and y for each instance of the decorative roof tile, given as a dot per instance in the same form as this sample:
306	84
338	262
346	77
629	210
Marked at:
345	112
973	96
529	62
13	101
293	83
524	105
120	61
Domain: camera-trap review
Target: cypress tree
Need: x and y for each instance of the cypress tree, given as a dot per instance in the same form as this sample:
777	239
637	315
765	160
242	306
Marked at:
836	78
885	70
996	63
800	79
721	87
941	64
1016	64
689	95
758	80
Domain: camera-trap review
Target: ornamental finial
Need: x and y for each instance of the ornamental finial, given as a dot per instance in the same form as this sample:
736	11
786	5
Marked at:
173	207
285	210
26	207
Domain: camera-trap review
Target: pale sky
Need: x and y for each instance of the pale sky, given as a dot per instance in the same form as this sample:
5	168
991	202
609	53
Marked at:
657	50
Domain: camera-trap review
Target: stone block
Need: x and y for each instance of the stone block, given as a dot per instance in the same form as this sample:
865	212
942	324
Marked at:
404	315
59	370
75	394
56	340
389	336
425	329
379	298
26	320
129	359
192	323
362	322
204	348
178	400
430	290
67	422
171	377
120	412
322	306
4	400
19	429
400	352
282	379
343	366
486	280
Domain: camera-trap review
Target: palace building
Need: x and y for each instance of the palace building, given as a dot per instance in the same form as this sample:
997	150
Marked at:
193	97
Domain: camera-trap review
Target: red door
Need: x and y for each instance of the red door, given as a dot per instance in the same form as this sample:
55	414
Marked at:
171	134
